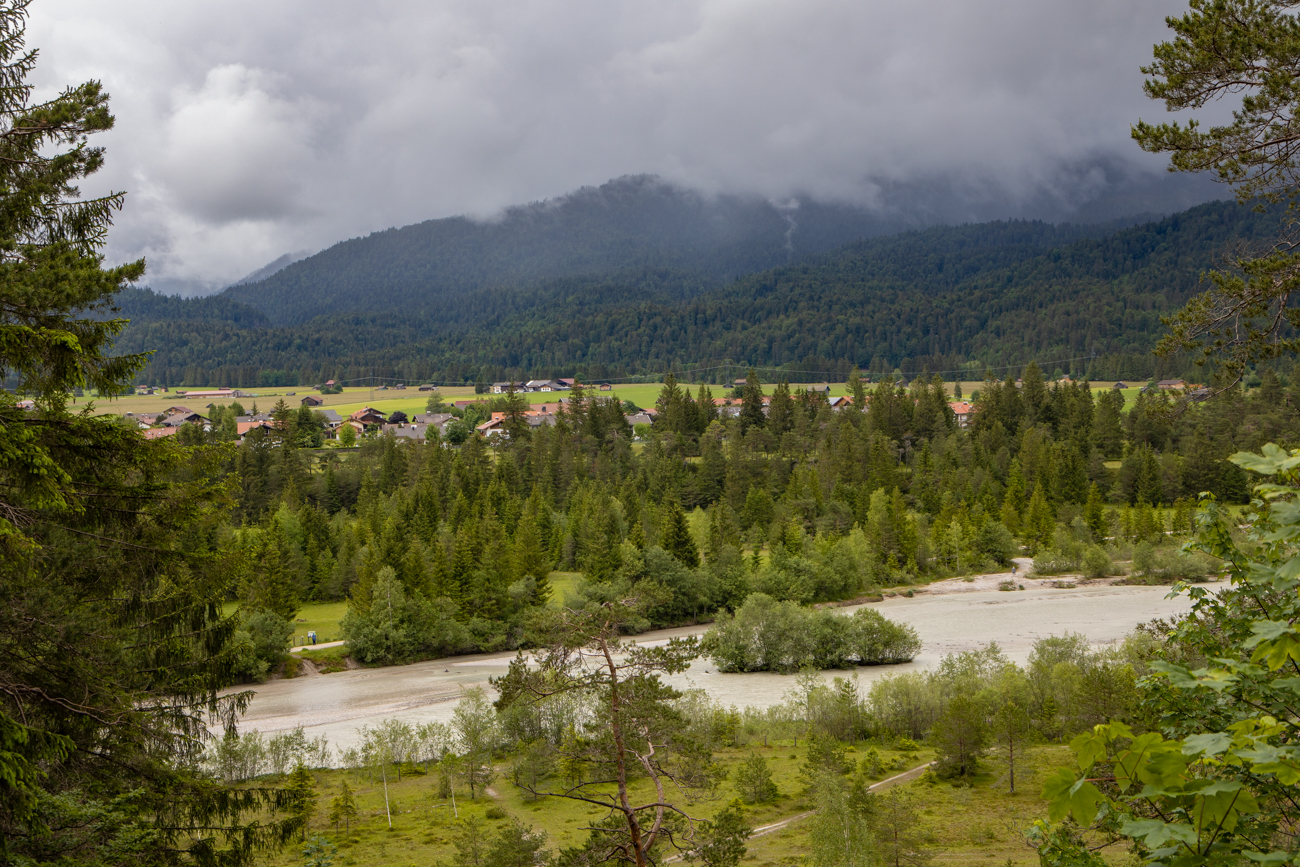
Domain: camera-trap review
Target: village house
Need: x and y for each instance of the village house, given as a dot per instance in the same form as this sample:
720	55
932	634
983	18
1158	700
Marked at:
491	428
213	394
333	421
312	400
1171	384
177	419
962	410
413	432
243	429
369	418
158	433
436	420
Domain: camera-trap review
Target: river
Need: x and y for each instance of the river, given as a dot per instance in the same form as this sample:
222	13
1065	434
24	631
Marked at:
338	704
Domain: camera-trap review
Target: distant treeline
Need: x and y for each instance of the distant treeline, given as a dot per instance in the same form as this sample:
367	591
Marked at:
950	299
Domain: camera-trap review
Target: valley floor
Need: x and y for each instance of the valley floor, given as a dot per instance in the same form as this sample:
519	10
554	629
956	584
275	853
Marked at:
975	823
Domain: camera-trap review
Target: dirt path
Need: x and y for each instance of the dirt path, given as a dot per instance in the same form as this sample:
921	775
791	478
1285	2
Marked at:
897	779
320	646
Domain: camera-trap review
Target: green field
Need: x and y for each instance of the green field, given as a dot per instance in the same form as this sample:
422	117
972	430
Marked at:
979	823
412	401
324	617
562	584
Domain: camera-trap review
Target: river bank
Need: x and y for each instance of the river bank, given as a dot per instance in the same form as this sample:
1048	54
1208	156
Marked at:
948	620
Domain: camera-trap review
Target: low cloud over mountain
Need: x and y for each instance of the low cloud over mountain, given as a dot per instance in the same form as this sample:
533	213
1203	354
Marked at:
246	129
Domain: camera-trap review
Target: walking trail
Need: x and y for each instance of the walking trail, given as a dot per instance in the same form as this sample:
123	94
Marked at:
897	779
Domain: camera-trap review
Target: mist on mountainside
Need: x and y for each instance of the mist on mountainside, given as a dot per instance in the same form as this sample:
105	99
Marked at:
640	223
996	293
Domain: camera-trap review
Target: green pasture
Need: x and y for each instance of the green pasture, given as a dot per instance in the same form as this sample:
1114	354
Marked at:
323	617
411	401
977	822
562	587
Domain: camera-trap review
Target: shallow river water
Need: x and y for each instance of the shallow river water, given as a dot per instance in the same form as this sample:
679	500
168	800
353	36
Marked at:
338	704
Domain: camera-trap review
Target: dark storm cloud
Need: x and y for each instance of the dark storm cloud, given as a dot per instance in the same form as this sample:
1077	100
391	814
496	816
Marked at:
250	129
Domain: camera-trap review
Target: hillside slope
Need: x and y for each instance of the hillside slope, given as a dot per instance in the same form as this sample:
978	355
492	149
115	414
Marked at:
626	225
992	293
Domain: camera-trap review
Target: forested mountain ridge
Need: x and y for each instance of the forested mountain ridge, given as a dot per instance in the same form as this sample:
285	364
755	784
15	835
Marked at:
626	225
992	293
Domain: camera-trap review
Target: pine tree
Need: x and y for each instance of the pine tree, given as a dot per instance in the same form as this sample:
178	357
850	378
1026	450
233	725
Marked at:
781	410
272	584
114	644
707	412
1013	500
751	403
1094	513
1107	430
301	789
1040	523
676	537
858	393
531	560
754	780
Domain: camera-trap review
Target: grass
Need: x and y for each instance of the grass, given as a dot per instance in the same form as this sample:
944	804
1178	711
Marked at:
411	401
323	617
327	659
980	823
562	584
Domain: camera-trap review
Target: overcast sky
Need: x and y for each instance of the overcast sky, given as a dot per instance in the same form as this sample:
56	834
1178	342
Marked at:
246	130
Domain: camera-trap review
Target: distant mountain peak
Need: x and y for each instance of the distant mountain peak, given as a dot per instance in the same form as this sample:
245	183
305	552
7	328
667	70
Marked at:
272	267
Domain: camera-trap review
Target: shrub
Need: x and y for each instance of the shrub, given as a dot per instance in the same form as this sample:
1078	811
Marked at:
1166	565
404	627
754	781
995	542
1097	563
959	738
261	641
767	635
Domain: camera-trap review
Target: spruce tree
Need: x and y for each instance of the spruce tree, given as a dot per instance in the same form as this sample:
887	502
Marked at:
780	417
113	645
676	537
707	412
1094	514
1040	523
531	559
301	789
751	403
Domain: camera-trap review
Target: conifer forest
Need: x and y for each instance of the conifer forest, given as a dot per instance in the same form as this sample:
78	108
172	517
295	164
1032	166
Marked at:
753	623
